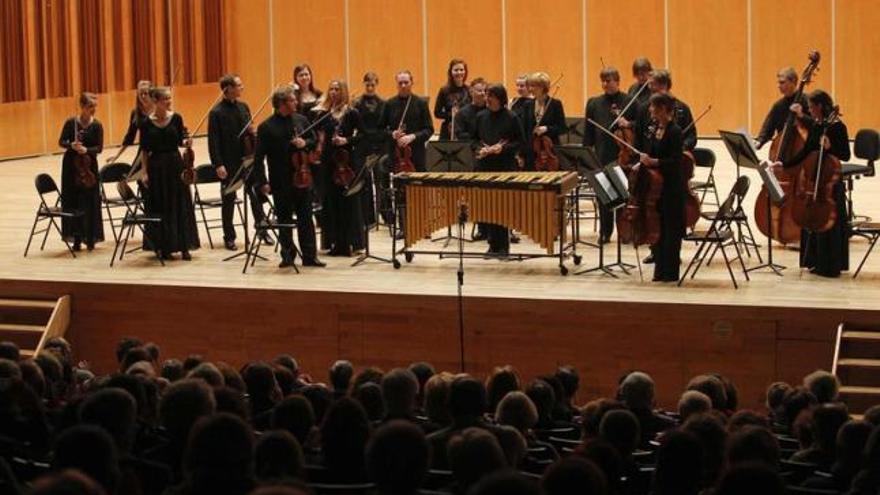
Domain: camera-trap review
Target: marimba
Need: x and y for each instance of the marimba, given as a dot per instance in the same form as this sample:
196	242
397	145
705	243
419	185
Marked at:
534	203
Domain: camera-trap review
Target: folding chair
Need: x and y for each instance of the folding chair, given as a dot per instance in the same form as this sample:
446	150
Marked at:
109	175
871	230
45	185
135	217
738	217
204	175
718	234
261	228
705	158
865	147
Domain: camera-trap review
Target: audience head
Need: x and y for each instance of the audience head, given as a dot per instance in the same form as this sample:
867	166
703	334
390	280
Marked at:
209	374
570	380
503	379
574	474
621	429
367	375
423	371
467	399
713	438
512	443
232	401
295	414
872	415
745	418
398	457
344	435
679	464
752	444
544	398
505	482
713	387
184	402
823	385
89	449
606	458
262	387
796	400
400	387
231	377
286	380
9	369
473	453
693	402
436	398
220	452
125	344
637	391
517	410
827	420
10	351
66	482
592	414
851	441
340	376
192	361
172	370
775	394
320	397
750	479
114	410
369	395
278	456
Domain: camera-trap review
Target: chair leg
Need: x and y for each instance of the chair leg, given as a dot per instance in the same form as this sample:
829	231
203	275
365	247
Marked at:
116	246
691	263
729	269
742	263
46	233
207	227
31	237
874	238
752	241
60	234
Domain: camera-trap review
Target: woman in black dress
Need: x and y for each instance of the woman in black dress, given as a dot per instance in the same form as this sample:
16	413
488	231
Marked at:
664	151
370	106
161	136
143	107
82	137
343	223
452	96
824	253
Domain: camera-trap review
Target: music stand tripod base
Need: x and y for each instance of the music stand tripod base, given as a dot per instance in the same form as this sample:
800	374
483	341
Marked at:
239	182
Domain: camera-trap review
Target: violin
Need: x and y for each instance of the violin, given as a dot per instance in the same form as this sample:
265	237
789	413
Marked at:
780	224
82	162
188	175
403	154
813	206
300	165
343	174
545	155
627	134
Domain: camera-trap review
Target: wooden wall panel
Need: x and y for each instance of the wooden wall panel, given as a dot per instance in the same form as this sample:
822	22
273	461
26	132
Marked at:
858	37
193	102
386	37
323	48
21	128
700	77
247	48
466	29
783	33
620	31
550	40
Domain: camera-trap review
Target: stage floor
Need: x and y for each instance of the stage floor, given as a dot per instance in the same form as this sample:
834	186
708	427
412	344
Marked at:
427	275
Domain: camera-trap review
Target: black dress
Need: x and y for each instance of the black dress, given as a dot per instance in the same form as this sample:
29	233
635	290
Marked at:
89	228
169	196
343	223
449	98
373	143
551	115
827	253
670	206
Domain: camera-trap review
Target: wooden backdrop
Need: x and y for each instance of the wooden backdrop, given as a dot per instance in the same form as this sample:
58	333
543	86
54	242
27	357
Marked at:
721	52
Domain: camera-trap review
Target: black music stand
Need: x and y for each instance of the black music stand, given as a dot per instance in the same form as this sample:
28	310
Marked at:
449	156
239	181
357	186
612	191
739	145
584	161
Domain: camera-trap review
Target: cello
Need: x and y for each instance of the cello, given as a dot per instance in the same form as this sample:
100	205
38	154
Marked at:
813	206
772	220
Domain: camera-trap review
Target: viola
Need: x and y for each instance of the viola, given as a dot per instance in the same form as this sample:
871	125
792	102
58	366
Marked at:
315	155
188	175
343	174
814	207
779	224
302	172
626	134
545	156
403	159
82	163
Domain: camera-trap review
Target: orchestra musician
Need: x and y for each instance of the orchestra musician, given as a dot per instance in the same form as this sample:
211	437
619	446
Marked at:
162	134
226	121
369	105
275	136
663	149
641	70
343	223
466	124
143	107
415	128
307	95
497	137
518	105
787	82
544	114
824	253
605	109
452	96
82	138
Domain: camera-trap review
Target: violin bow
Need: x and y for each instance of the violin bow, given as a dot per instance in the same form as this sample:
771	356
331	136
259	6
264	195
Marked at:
629	104
405	110
259	109
694	122
606	131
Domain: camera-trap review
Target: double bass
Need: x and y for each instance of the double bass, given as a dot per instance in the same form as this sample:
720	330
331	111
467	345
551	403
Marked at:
779	225
813	205
82	162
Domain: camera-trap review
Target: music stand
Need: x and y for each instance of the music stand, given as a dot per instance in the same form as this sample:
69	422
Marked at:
356	186
449	156
239	181
739	145
612	191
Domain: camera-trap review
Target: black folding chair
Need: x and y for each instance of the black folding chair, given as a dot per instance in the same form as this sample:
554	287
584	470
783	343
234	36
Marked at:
136	217
738	217
718	234
866	147
705	158
109	175
204	175
871	230
45	185
260	229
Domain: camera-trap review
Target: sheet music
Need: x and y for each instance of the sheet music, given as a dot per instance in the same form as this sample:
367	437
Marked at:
606	186
621	177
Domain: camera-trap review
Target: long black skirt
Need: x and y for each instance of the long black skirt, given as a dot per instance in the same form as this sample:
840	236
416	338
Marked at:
89	228
170	199
827	253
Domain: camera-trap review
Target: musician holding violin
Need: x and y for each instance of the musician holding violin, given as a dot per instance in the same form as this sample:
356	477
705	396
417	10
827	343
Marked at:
283	141
162	134
497	138
143	107
407	122
226	147
641	71
452	96
662	149
824	250
82	138
606	109
544	121
342	227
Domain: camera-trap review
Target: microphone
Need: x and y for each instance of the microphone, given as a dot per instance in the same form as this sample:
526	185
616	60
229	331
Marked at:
462	212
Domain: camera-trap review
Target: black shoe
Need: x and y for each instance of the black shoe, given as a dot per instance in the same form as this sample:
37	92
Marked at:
267	239
478	236
605	239
649	259
77	246
286	260
400	235
314	262
185	256
90	246
230	245
514	239
167	256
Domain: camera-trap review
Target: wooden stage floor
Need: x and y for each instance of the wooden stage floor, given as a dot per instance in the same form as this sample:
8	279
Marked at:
524	313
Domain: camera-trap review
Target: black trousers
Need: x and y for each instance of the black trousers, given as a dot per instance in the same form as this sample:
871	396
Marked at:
256	198
288	201
498	237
